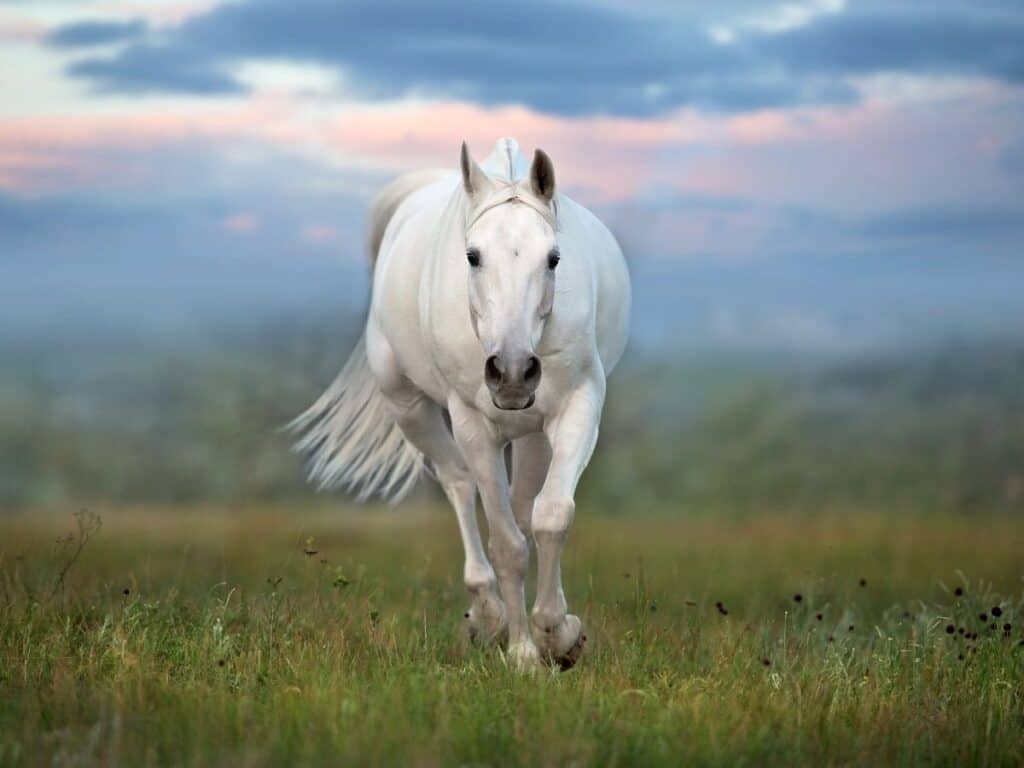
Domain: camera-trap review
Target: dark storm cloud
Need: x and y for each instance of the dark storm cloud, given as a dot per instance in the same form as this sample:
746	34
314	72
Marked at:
86	33
956	225
901	42
557	57
147	68
563	57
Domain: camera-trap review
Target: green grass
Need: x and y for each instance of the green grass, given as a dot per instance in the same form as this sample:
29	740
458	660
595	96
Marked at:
211	637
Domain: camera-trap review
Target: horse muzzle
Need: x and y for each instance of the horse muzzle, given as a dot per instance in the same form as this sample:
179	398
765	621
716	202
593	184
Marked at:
512	380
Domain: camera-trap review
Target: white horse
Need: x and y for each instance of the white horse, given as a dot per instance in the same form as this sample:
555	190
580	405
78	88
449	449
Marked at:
499	307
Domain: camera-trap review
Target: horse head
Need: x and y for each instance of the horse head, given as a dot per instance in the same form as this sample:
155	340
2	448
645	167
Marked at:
511	256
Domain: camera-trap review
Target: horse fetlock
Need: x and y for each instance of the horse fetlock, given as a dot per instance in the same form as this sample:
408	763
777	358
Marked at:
480	578
546	619
487	619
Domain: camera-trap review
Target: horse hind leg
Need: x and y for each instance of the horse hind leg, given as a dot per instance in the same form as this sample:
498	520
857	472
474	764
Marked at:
531	455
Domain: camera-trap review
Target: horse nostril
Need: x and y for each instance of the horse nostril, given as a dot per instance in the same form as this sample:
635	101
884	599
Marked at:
492	372
532	372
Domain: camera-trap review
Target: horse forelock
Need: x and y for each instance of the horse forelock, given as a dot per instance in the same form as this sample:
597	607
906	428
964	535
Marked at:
512	192
508	170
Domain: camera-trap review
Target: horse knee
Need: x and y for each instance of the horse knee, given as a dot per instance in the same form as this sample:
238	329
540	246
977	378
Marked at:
552	517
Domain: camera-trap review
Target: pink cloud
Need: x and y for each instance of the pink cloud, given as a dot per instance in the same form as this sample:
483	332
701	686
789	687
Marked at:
610	157
319	234
879	152
158	13
241	223
21	30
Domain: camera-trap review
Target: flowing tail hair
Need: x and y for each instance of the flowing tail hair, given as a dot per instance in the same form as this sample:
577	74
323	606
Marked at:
351	439
349	436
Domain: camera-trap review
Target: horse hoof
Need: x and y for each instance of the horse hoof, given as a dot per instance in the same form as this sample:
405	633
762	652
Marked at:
562	646
568	660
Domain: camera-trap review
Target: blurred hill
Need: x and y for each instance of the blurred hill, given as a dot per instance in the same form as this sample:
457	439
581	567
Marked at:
85	421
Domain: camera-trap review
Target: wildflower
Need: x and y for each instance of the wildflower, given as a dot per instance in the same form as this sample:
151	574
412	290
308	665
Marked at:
993	625
721	608
997	611
1007	627
126	591
220	662
831	639
863	582
819	616
959	591
950	629
983	617
961	631
797	597
850	627
766	662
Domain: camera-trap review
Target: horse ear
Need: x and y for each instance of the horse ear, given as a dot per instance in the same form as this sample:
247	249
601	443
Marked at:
542	176
474	180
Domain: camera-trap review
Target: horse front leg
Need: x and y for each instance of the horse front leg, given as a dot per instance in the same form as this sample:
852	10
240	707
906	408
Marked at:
572	435
507	545
423	425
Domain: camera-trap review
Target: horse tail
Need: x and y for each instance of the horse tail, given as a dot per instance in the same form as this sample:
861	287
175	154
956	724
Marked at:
349	436
352	441
393	195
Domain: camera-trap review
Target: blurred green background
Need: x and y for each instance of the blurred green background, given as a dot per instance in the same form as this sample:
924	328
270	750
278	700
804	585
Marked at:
936	428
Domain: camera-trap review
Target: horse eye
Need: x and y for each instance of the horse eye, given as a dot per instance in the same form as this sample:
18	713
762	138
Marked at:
473	257
553	259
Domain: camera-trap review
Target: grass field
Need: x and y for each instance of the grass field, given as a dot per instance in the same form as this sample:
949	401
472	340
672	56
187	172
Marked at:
318	635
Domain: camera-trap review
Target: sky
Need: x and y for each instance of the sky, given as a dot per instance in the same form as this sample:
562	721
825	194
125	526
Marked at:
814	173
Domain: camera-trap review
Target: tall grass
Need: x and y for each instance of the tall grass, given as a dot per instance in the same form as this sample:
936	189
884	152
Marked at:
263	636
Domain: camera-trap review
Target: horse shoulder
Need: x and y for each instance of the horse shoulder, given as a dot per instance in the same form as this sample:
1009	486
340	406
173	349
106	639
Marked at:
603	292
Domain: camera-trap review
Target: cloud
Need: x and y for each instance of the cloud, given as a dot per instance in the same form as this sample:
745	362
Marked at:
539	54
87	33
241	223
564	57
148	68
777	19
947	222
923	43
